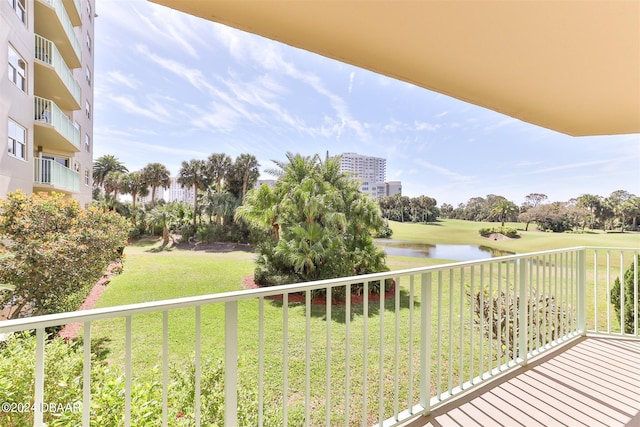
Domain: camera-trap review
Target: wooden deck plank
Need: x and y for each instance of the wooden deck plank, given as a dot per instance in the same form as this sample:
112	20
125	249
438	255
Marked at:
590	382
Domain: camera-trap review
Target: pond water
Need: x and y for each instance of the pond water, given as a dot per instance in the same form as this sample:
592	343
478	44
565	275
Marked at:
439	251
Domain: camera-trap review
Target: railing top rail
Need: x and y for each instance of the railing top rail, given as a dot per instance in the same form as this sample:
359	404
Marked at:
146	307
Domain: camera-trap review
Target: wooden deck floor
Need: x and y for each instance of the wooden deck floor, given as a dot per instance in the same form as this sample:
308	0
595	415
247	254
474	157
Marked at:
589	382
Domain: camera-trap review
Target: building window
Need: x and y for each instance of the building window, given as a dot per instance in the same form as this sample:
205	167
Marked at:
86	176
87	109
88	73
17	69
17	140
89	42
87	142
20	8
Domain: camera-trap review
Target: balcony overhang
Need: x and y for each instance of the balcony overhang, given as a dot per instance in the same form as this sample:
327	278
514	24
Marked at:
49	137
48	25
48	84
573	67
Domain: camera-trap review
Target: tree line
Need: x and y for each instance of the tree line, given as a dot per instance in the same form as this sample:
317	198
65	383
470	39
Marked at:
620	210
219	184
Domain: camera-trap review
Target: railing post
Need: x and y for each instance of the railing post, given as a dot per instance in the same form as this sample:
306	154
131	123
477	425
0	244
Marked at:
231	363
38	415
582	294
425	341
523	311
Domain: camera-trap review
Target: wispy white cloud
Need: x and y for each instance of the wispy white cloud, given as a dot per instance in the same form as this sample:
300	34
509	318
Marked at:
419	126
119	78
351	77
444	171
151	109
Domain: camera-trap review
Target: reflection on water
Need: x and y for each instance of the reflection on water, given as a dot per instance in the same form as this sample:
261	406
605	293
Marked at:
439	251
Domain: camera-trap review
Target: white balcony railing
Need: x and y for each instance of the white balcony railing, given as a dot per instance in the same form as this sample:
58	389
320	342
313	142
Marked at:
440	331
59	177
46	111
64	19
47	52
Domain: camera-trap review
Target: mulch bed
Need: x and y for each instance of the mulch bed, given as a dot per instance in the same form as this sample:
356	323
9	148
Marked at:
70	331
299	297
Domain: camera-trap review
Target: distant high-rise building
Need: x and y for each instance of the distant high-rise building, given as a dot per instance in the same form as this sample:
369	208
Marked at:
177	193
372	174
46	113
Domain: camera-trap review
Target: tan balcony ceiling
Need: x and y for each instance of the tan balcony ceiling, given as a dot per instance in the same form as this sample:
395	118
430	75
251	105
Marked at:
570	66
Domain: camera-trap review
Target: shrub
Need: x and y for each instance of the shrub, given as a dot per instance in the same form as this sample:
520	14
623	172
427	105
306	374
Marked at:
629	298
57	251
506	231
544	313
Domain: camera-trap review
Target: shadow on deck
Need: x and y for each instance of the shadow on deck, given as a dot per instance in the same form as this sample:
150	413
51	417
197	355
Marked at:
588	382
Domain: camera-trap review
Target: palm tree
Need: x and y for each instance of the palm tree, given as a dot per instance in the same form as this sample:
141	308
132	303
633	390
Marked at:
503	209
218	165
261	210
156	175
162	216
192	174
105	164
137	187
243	174
117	183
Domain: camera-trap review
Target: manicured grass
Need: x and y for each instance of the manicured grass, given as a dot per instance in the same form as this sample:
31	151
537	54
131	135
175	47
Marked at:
450	231
150	276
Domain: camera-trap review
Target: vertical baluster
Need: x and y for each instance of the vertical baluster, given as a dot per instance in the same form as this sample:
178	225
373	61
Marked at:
231	363
198	369
491	310
595	291
608	292
439	332
127	373
260	361
471	328
285	359
461	337
482	320
307	359
622	294
396	372
38	398
86	375
450	366
381	357
426	320
327	412
165	368
365	358
411	349
347	351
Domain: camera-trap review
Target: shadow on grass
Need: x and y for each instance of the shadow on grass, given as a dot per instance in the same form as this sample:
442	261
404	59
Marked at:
100	347
339	312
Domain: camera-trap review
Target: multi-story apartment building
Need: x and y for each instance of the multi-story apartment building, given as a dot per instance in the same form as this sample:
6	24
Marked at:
371	172
178	193
46	96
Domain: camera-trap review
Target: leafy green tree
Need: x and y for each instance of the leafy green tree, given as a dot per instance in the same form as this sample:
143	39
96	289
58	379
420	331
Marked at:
504	210
156	175
162	216
592	204
321	223
116	182
105	164
193	174
57	251
631	307
242	175
137	187
218	165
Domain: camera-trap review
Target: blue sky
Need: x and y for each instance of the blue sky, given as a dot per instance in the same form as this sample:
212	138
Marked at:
171	87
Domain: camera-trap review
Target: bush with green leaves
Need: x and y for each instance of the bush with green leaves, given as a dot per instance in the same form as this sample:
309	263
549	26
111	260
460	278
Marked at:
631	306
321	225
57	250
63	386
505	231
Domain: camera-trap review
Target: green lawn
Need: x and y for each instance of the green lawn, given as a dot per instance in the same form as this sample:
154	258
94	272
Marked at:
150	275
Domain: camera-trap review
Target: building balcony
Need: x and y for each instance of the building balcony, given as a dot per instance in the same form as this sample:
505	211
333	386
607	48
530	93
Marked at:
52	128
53	23
53	79
73	11
530	339
49	175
